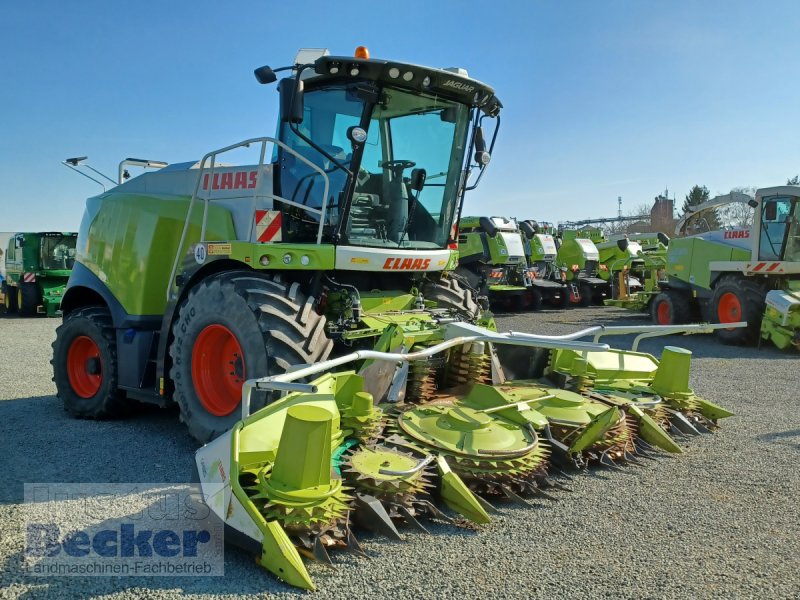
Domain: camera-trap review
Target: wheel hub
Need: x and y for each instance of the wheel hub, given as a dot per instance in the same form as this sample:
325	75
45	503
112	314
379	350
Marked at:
84	367
218	369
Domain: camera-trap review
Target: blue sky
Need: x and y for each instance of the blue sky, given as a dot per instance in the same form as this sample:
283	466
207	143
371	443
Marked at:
602	98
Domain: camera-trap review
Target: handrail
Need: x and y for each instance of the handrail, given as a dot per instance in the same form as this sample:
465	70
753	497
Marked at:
211	158
288	381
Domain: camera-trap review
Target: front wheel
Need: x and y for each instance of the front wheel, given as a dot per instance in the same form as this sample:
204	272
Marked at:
9	299
586	293
670	308
738	299
85	365
534	299
449	292
233	327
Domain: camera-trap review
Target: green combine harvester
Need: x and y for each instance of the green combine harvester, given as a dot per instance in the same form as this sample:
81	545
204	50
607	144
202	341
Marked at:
580	259
746	274
335	249
38	266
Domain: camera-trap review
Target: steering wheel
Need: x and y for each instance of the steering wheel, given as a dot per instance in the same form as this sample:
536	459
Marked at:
398	165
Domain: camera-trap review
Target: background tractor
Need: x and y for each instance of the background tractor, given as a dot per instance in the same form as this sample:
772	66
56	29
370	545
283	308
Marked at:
750	274
194	277
37	267
581	259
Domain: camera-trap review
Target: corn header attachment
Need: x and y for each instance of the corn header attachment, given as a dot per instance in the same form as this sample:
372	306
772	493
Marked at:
443	433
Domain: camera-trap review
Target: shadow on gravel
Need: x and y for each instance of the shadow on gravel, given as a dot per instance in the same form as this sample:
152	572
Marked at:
789	438
41	443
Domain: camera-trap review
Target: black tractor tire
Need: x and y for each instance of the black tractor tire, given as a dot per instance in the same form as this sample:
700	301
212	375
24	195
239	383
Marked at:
450	292
263	324
85	365
671	307
31	299
564	300
738	298
10	299
535	299
598	299
587	294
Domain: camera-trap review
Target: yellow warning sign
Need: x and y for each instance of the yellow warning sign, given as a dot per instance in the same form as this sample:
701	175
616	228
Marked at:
218	249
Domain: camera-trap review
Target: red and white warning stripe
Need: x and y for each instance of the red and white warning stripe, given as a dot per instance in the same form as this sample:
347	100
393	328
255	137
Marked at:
763	267
29	277
268	225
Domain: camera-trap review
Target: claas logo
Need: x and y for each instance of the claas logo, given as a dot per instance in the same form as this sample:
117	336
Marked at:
735	235
239	180
407	264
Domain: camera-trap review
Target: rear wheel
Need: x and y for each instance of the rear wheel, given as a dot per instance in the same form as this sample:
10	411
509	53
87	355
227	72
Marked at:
28	299
449	292
738	299
670	308
85	365
235	326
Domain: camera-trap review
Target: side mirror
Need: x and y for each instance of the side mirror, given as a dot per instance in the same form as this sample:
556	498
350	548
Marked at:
482	157
622	244
265	75
20	242
663	238
770	211
291	97
417	181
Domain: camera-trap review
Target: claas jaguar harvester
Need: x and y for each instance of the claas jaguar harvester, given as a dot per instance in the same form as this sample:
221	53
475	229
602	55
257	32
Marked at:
191	278
38	266
745	274
240	293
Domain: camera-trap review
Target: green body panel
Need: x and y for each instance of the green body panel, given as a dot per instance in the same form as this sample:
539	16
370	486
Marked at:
380	301
688	259
573	253
470	245
52	291
536	251
130	242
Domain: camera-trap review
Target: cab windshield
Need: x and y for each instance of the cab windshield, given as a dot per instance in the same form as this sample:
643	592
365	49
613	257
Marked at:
780	229
405	132
58	252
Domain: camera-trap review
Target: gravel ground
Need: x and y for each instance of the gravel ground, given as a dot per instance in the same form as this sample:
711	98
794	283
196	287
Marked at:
721	520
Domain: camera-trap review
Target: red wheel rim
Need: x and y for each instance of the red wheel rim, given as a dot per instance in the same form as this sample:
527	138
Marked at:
729	309
84	368
663	313
218	370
